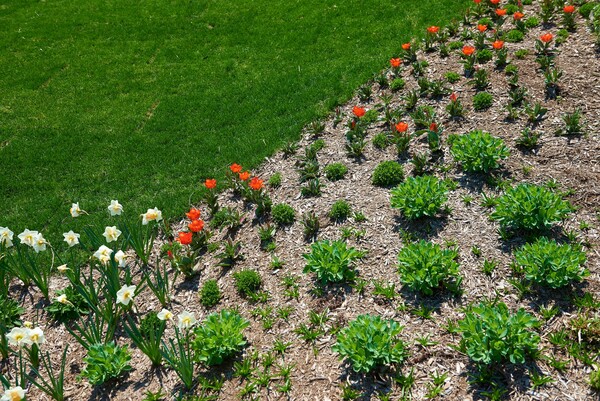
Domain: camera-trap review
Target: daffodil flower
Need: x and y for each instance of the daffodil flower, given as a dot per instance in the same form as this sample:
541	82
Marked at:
27	237
39	243
18	337
76	210
6	237
111	233
103	254
125	294
151	214
62	268
62	298
186	320
13	394
120	258
115	208
165	314
36	336
71	238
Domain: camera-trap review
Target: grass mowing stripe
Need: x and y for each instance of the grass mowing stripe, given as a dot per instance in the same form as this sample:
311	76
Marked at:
140	101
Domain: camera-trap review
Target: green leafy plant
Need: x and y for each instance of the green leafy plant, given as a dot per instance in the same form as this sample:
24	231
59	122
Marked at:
530	207
275	180
478	151
452	77
381	141
419	196
335	171
105	362
148	336
283	214
549	264
388	173
226	217
179	355
52	382
573	124
369	342
491	334
219	337
425	267
331	261
247	282
482	101
310	222
210	294
340	210
514	36
397	84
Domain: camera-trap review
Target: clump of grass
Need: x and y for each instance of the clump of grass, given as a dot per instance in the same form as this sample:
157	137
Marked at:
210	294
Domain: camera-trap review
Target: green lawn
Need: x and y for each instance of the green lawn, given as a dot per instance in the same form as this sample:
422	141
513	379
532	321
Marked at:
141	100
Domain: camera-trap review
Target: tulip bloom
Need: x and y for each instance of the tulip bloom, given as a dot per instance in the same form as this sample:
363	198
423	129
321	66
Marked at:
481	28
256	183
433	29
406	46
395	62
498	44
453	97
358	111
196	226
244	176
500	12
401	126
468	50
569	9
518	16
210	183
193	214
546	38
235	168
185	238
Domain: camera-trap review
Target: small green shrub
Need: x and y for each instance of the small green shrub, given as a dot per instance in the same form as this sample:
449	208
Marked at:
10	313
491	334
549	264
586	9
381	141
370	117
514	36
275	180
219	337
478	151
532	22
521	53
419	196
482	101
340	210
105	362
283	214
70	309
369	342
150	324
388	173
425	267
210	294
331	261
452	77
530	207
335	171
247	282
484	55
595	376
458	44
397	84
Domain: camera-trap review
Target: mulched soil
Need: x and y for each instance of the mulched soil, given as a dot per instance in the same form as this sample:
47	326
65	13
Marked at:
318	373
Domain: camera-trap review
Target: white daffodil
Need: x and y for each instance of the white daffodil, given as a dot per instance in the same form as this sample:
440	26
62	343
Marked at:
111	233
27	324
62	268
115	208
165	314
62	298
126	294
120	258
103	254
76	210
36	336
39	243
27	237
71	238
6	237
186	320
18	337
13	394
151	214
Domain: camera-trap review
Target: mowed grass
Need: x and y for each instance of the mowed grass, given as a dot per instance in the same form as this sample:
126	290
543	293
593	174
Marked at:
140	101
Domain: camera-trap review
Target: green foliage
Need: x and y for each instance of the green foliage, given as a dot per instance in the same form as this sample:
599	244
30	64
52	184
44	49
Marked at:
514	36
247	282
388	173
425	267
149	324
331	261
74	307
484	55
105	362
586	9
10	313
335	171
210	294
381	141
311	225
419	196
478	151
369	342
226	217
530	207
482	101
491	334
532	22
340	210
452	77
283	214
275	180
549	264
595	380
397	84
219	337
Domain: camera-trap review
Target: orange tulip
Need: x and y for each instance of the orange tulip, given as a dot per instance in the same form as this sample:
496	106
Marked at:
498	44
395	62
358	111
405	46
244	176
481	28
518	16
468	50
235	168
433	29
196	226
501	12
185	238
256	183
401	126
210	183
570	9
193	214
546	38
